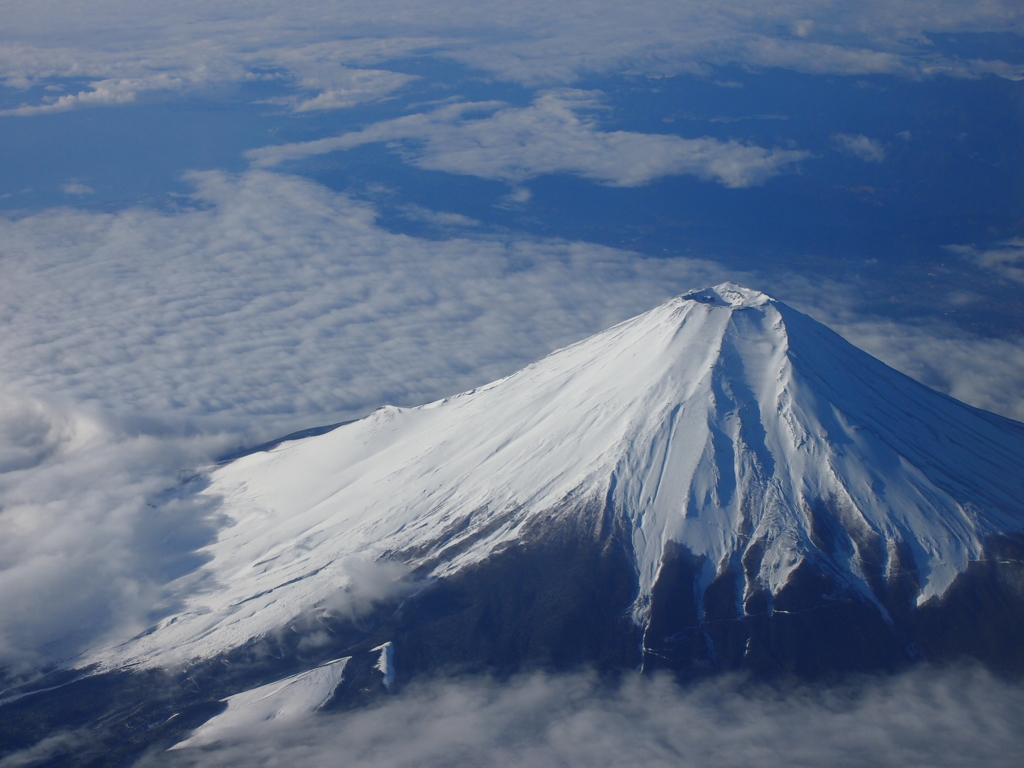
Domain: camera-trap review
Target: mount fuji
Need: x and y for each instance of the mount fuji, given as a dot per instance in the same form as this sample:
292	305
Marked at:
722	429
721	483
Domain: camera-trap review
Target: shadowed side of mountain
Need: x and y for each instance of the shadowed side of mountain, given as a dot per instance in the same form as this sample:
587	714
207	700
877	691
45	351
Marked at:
560	600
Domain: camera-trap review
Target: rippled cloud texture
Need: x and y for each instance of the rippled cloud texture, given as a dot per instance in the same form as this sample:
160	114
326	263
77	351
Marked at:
926	718
129	48
275	301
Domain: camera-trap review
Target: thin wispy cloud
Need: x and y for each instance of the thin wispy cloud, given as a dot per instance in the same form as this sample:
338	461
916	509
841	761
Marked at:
1005	258
103	93
948	718
556	134
76	188
860	146
201	43
440	219
338	87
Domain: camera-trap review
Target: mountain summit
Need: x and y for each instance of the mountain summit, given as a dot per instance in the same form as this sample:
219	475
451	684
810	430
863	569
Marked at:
721	482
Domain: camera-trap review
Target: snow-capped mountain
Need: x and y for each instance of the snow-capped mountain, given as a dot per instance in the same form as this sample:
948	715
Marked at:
719	484
727	461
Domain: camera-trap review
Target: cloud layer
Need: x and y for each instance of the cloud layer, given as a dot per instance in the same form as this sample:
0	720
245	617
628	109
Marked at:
860	146
129	48
556	134
274	300
1006	259
926	718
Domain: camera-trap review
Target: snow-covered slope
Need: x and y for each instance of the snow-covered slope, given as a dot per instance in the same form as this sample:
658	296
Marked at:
282	702
720	420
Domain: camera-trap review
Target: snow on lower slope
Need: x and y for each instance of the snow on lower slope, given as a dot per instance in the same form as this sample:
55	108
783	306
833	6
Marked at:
715	420
283	702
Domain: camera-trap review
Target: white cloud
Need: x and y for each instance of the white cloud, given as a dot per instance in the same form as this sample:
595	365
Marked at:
441	219
860	146
536	43
555	134
1005	259
95	520
74	188
312	69
60	744
803	27
339	86
119	77
935	718
104	92
519	196
977	67
277	302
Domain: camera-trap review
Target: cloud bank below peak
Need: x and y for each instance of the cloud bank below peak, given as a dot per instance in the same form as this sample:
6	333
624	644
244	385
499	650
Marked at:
555	134
948	718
